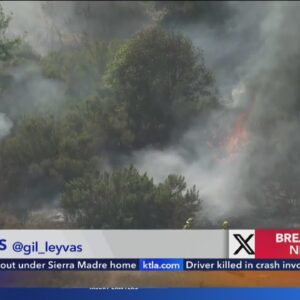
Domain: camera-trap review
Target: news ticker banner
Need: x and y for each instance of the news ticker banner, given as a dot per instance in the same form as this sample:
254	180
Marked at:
149	250
148	265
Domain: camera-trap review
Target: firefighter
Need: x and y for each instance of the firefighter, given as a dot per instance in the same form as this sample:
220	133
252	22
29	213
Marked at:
188	223
225	225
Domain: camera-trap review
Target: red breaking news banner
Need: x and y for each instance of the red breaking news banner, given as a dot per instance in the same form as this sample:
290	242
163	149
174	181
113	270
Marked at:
277	244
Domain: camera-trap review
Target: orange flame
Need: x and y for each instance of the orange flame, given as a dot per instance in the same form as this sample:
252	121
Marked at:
239	136
237	140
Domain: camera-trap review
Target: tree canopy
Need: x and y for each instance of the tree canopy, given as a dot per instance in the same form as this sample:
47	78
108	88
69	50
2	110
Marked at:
118	97
163	83
7	45
126	199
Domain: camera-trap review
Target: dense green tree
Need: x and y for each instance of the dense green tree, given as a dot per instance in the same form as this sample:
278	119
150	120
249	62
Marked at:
44	152
34	141
98	126
34	162
80	68
120	96
163	83
126	199
7	47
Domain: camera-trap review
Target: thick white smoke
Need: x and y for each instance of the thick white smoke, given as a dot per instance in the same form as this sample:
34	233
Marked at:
29	22
256	63
255	58
49	25
216	173
5	125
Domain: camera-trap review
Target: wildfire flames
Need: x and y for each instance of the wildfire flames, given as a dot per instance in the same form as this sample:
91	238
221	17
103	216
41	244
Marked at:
237	139
239	136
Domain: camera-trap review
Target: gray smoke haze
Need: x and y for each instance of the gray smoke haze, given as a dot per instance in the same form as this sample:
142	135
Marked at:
253	50
29	22
256	64
31	92
5	125
107	19
217	175
50	25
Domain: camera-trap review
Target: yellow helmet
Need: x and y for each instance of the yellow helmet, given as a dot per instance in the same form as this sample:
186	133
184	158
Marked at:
225	224
189	220
188	223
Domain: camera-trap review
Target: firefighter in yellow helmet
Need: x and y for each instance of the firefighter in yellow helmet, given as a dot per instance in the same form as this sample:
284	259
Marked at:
225	225
188	223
